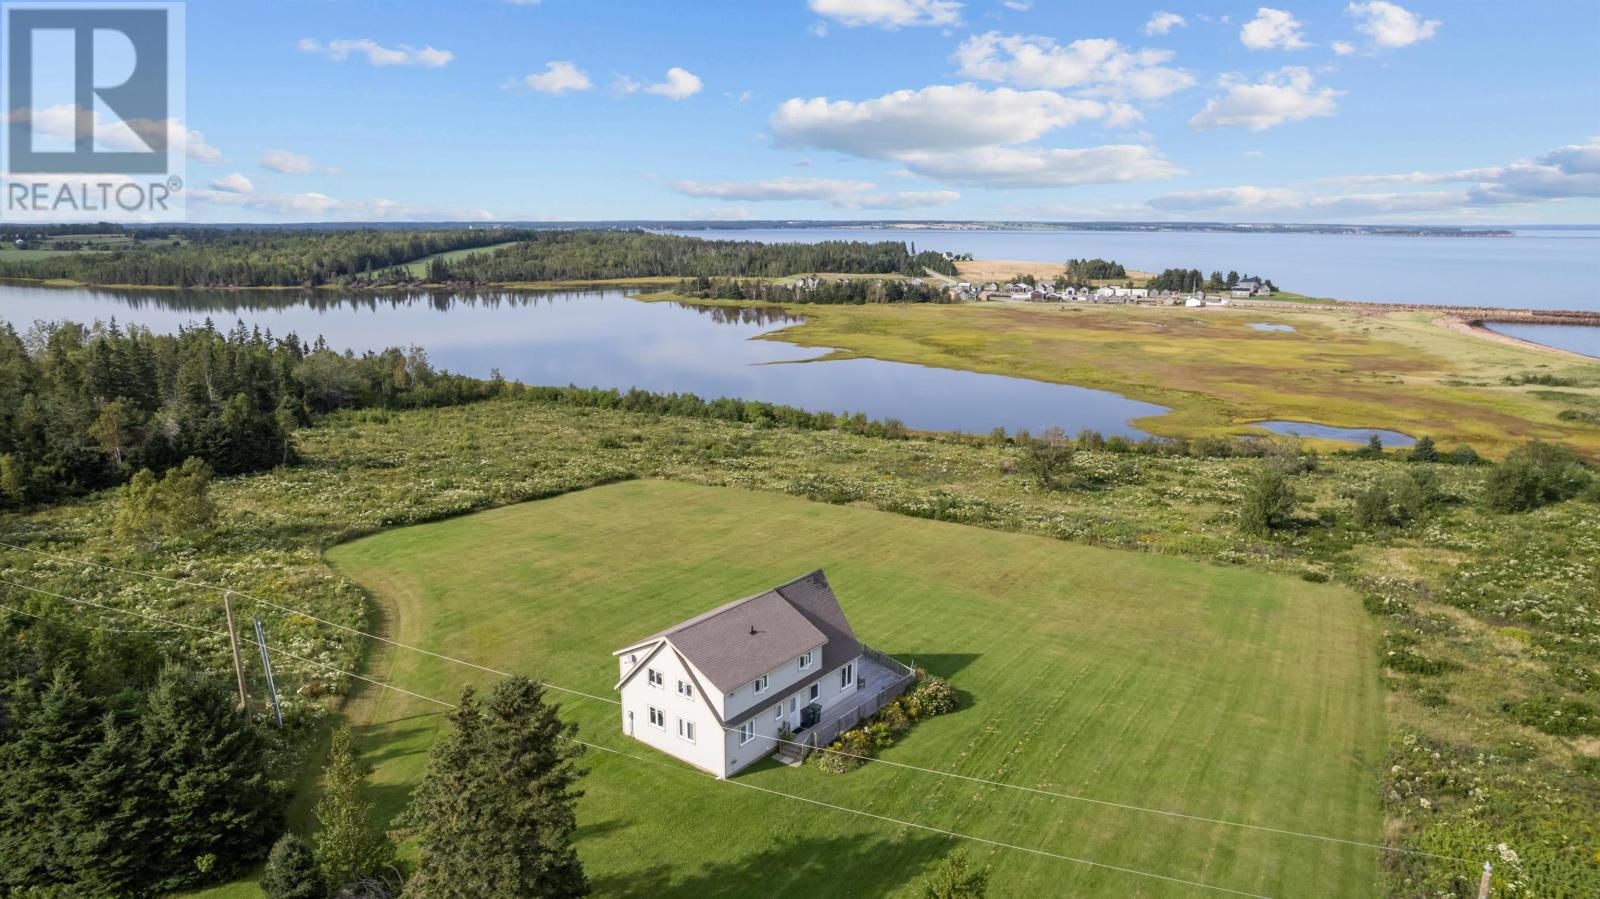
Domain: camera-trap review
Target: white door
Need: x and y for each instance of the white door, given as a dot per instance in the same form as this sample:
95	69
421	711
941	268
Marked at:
794	713
630	724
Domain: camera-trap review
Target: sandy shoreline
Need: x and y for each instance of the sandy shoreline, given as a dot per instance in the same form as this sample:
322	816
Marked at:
1476	328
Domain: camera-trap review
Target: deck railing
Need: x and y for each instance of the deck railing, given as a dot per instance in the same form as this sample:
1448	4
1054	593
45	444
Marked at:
848	715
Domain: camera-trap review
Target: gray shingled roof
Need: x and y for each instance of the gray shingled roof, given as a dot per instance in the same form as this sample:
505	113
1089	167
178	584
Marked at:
735	643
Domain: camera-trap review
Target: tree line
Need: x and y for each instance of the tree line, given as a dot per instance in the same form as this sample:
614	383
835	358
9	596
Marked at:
257	257
82	409
596	254
1082	271
838	291
1190	280
224	258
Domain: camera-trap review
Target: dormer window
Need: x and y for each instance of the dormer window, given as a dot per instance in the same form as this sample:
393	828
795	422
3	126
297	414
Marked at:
761	684
805	661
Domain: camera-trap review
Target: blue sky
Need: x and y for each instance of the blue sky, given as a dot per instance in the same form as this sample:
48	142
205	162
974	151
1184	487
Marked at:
1422	111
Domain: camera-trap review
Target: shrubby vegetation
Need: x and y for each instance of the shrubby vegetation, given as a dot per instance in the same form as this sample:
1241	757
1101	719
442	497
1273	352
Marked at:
928	697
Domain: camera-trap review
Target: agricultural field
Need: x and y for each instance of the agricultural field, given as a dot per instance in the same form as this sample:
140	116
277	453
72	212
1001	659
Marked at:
1123	677
1350	368
418	268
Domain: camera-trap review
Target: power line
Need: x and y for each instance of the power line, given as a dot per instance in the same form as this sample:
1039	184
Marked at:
1365	844
884	818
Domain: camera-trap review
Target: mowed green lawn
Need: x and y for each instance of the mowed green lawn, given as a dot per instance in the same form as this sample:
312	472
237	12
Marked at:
1124	677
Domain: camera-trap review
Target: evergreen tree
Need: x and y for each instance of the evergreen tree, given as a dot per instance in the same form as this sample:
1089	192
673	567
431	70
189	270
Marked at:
1424	450
38	782
349	847
113	822
1269	500
956	879
292	872
495	815
209	766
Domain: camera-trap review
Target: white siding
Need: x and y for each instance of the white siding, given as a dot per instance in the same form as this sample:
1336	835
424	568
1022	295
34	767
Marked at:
766	727
638	696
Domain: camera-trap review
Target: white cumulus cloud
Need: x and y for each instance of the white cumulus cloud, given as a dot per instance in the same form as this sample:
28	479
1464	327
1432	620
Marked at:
1092	65
558	77
1272	28
1163	22
377	54
889	14
1390	25
680	84
233	183
1043	166
1287	95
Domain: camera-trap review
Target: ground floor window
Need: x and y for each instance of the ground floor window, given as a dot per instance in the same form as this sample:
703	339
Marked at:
686	730
816	690
747	732
847	676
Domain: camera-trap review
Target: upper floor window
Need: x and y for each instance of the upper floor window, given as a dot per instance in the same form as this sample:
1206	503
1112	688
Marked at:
658	718
761	684
656	678
805	661
631	659
685	689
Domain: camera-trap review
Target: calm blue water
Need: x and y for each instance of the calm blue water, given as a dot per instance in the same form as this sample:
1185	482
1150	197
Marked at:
604	339
1577	338
1269	326
1329	432
1533	270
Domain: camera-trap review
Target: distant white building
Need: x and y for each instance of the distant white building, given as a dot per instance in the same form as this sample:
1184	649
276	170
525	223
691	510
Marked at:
721	690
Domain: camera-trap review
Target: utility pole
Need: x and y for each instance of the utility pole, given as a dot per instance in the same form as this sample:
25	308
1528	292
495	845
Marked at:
1483	885
233	641
266	663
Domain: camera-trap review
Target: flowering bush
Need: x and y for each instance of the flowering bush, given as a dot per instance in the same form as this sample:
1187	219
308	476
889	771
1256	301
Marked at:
935	696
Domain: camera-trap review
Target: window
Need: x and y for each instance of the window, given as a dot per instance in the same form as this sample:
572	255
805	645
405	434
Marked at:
847	676
777	712
630	660
761	684
656	678
658	718
685	689
805	661
816	689
747	732
686	730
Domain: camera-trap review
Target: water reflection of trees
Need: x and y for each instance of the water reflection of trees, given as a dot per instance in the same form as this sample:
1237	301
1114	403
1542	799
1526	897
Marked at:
441	300
743	315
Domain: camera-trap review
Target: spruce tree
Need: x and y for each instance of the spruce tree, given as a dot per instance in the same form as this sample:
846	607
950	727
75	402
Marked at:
495	815
292	872
208	764
955	879
349	847
39	791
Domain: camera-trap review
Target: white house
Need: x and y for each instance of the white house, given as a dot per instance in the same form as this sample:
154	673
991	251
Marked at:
722	690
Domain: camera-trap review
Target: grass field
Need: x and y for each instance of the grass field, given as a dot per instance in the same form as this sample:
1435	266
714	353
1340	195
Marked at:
1124	677
418	268
1352	368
